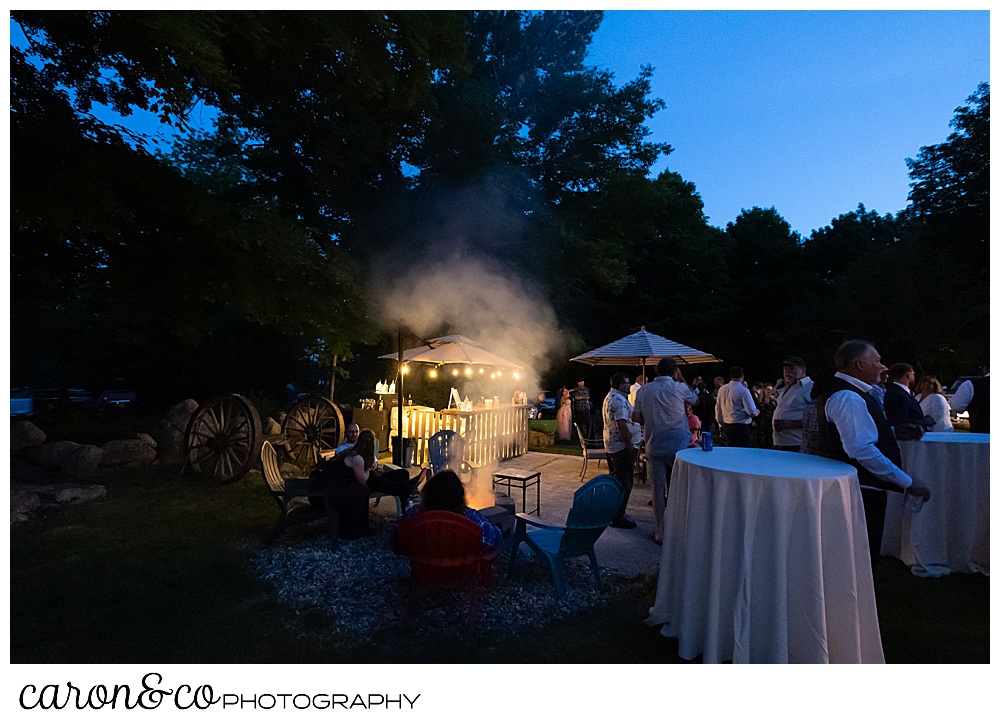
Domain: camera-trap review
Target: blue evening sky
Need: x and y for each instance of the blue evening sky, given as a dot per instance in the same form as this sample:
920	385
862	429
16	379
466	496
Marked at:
809	112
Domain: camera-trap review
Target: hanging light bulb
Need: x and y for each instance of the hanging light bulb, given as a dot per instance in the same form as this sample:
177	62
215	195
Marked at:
406	369
481	370
468	371
499	373
517	376
432	374
455	372
493	376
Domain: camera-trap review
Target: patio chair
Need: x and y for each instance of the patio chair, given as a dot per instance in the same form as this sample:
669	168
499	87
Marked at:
446	450
592	450
594	505
445	551
284	489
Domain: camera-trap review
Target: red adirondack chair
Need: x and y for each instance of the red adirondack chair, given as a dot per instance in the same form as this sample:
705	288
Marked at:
445	551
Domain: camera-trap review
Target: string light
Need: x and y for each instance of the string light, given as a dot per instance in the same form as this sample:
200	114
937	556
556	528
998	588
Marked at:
481	370
455	372
493	376
468	371
406	369
432	374
517	376
499	374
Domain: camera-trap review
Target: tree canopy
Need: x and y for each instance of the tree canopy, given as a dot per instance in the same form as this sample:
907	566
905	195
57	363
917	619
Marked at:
347	141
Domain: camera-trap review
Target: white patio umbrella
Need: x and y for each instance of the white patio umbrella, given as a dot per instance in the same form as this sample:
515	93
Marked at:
643	347
453	349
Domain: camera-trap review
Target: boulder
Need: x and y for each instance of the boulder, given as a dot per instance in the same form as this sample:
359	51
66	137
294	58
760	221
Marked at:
25	434
134	453
148	439
169	433
179	415
22	502
537	438
80	494
50	455
271	427
82	462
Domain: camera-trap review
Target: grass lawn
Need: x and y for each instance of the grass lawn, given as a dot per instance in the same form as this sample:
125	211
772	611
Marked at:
158	572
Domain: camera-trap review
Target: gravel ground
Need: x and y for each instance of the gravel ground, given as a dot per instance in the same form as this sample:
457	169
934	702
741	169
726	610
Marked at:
362	587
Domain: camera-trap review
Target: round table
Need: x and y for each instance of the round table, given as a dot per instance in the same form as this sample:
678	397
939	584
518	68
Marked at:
952	530
765	559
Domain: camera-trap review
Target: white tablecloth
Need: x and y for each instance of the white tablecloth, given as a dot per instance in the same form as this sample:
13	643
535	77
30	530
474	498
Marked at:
952	530
765	559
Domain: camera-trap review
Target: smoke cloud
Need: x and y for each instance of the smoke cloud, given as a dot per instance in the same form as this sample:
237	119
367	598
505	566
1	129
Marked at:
451	291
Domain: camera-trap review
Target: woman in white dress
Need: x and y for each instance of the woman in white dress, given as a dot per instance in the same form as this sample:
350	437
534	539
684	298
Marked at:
564	417
933	403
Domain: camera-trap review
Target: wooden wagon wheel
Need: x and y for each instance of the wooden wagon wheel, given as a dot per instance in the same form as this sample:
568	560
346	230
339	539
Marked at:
223	438
313	426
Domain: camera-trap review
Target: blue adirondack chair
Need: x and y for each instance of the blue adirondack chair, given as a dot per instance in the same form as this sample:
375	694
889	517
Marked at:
446	450
594	505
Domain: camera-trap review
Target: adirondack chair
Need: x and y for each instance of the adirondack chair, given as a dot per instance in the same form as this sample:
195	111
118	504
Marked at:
592	450
446	450
594	505
283	490
445	551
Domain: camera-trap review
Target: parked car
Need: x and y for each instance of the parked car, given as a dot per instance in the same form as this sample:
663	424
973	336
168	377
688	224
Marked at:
22	402
116	401
543	407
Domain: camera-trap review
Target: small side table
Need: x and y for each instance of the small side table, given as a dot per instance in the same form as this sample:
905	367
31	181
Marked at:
522	479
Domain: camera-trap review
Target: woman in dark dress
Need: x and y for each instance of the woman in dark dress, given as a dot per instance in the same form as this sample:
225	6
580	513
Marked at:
349	477
767	405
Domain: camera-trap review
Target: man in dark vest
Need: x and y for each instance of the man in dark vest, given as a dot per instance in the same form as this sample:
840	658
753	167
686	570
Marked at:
853	429
974	396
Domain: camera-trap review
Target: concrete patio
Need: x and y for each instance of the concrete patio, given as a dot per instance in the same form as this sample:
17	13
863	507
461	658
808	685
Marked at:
630	552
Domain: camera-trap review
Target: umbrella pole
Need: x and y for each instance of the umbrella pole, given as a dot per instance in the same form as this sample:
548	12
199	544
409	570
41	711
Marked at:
397	454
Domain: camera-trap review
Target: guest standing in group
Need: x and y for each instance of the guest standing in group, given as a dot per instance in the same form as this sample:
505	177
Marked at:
934	404
694	425
764	438
634	389
901	407
564	417
792	400
659	408
974	396
716	427
735	410
879	388
581	407
621	440
853	429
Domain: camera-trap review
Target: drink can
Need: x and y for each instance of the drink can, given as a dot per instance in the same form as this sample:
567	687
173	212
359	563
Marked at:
706	441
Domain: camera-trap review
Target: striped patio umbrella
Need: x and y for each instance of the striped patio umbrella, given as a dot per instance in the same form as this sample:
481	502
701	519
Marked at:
643	347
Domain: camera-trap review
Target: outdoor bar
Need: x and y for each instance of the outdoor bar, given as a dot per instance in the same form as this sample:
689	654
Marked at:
491	434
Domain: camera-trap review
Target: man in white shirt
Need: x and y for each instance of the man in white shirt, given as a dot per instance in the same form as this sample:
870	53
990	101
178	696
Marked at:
974	396
735	410
659	408
621	439
792	401
853	429
634	389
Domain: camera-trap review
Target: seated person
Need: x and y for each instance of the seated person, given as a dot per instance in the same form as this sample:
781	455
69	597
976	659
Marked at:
349	477
350	438
445	492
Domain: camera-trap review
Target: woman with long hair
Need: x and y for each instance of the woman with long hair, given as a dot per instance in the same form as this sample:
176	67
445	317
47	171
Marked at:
932	401
764	434
349	477
564	417
445	491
